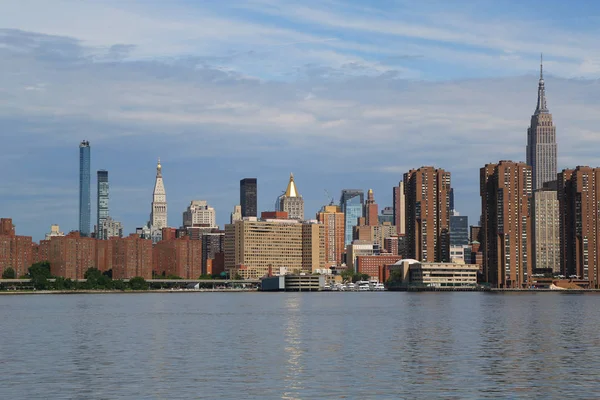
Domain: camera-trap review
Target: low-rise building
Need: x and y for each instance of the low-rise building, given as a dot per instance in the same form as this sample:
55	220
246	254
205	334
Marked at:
412	273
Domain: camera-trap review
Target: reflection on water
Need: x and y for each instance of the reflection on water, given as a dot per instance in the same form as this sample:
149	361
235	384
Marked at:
300	345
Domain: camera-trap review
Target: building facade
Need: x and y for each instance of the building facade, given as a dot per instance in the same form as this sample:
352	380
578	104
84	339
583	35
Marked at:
109	229
179	257
351	204
292	202
102	202
158	215
459	230
541	141
236	215
371	210
506	194
199	213
248	197
399	208
332	219
131	257
546	231
427	213
84	188
16	251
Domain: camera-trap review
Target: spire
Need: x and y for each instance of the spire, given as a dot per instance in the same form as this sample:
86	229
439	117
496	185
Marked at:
291	190
158	169
541	103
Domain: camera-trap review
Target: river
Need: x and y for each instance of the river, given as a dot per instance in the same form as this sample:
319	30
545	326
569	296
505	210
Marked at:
300	345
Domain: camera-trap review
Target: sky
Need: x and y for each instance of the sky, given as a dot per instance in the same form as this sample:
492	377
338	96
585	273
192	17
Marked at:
347	94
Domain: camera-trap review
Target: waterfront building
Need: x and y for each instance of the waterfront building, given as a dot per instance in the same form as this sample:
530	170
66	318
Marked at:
459	229
84	188
374	265
579	198
199	213
254	247
110	228
332	219
546	230
351	204
54	231
359	248
506	192
158	216
131	257
413	273
72	255
181	257
399	208
426	191
16	251
212	246
541	141
248	197
292	202
371	210
236	215
102	202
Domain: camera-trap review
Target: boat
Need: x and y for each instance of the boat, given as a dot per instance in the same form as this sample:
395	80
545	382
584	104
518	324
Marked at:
363	286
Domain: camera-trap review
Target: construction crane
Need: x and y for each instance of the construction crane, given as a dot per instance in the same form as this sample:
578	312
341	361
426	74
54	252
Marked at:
329	197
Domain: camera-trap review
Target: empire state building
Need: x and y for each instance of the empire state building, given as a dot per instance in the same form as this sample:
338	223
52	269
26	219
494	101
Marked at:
541	141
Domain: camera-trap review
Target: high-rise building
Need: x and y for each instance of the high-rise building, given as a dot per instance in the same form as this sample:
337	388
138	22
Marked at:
102	214
292	202
110	228
452	209
427	198
158	216
248	197
332	219
16	251
386	215
459	230
505	190
371	210
84	188
399	209
579	197
351	203
236	215
199	213
546	231
541	141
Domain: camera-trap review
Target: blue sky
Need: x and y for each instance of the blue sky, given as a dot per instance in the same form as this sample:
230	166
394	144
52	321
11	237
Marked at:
343	94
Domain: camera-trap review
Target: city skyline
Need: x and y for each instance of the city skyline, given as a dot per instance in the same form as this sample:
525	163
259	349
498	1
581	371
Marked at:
256	102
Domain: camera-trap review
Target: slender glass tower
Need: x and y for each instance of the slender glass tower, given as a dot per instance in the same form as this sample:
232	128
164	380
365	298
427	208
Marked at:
102	214
84	188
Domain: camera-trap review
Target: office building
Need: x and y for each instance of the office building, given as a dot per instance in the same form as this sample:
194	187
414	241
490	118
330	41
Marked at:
399	209
541	141
248	197
351	204
427	199
459	230
291	202
332	219
199	213
506	193
546	231
102	196
158	216
412	273
84	188
579	198
109	229
387	215
236	215
371	210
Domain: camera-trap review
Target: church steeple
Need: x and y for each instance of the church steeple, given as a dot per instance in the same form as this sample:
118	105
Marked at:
541	102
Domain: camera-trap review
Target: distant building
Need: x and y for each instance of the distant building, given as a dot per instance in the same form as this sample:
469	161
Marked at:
84	188
199	213
236	215
292	202
417	274
387	215
131	257
248	197
72	255
212	246
54	231
158	216
507	223
459	230
371	210
359	248
180	257
351	203
546	230
102	201
399	209
332	219
374	265
110	228
427	214
16	251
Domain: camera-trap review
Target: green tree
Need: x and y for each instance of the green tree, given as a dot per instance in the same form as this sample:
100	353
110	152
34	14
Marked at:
173	277
138	283
39	273
238	277
9	273
347	274
119	285
205	276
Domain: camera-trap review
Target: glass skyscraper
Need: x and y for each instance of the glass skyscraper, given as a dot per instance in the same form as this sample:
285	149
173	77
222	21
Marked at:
84	188
459	230
102	214
248	197
351	203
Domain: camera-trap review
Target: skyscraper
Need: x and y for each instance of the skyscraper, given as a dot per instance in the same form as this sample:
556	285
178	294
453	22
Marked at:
292	202
351	203
546	230
541	141
158	216
84	188
248	197
199	213
102	214
332	218
427	193
579	197
505	190
371	210
399	209
459	230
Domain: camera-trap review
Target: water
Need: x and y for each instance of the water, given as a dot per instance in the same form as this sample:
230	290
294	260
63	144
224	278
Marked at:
300	346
